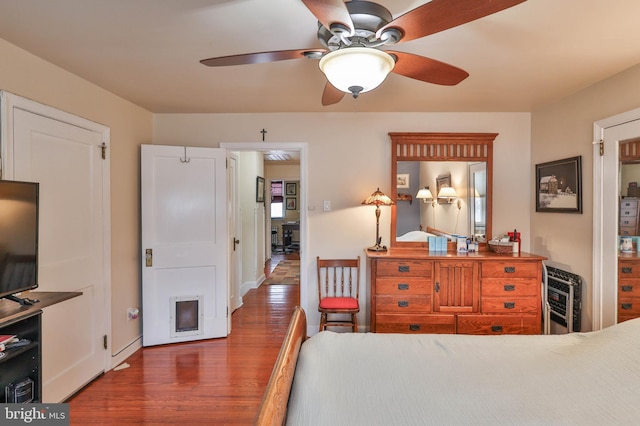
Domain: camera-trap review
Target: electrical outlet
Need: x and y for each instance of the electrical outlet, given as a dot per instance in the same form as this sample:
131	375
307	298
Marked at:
132	313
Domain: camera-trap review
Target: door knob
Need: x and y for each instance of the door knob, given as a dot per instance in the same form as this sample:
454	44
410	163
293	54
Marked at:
235	243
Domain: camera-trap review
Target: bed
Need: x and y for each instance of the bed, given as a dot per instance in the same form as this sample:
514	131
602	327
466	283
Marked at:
383	379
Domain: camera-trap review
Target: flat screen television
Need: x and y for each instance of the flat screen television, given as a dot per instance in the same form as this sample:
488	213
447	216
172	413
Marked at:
18	238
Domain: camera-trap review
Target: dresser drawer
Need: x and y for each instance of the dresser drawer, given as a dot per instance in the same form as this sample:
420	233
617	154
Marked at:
628	269
628	204
628	230
629	222
626	317
403	285
508	269
629	211
498	324
628	288
404	268
416	324
509	305
403	304
510	287
628	305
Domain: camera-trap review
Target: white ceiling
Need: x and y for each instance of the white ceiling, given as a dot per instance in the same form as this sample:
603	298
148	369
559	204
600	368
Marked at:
148	51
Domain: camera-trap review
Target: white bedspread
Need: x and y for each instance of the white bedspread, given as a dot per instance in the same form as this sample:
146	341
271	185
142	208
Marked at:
390	379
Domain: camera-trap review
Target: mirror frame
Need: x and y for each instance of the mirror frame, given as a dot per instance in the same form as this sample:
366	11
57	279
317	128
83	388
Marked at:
467	147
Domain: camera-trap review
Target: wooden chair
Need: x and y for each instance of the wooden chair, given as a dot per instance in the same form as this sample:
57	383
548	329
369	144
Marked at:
338	287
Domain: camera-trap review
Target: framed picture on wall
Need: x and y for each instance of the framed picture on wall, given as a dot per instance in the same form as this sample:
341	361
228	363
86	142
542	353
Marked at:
402	180
559	186
291	203
259	189
291	188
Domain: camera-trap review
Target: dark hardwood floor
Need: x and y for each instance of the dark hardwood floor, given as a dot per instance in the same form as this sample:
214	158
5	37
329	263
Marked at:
209	382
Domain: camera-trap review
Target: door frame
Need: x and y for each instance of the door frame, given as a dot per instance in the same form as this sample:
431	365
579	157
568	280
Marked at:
302	147
603	215
10	101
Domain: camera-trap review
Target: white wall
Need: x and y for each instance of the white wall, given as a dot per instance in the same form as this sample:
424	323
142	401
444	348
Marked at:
565	129
250	166
349	157
26	75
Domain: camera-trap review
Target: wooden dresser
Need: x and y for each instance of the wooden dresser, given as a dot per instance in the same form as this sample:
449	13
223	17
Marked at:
416	291
628	286
629	216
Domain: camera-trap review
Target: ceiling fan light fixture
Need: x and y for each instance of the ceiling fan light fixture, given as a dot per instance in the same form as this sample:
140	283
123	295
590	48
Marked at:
361	67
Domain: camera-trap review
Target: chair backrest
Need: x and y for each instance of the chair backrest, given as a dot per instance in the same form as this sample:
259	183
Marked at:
338	278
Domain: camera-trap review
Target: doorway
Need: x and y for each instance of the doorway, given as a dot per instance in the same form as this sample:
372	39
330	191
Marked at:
300	149
608	133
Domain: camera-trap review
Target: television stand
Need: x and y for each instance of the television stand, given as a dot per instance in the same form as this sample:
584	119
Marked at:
21	300
21	366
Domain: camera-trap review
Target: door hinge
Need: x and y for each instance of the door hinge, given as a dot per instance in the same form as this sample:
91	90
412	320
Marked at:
104	150
104	341
601	147
227	312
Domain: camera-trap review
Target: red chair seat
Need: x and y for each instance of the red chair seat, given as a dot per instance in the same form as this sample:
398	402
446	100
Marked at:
338	303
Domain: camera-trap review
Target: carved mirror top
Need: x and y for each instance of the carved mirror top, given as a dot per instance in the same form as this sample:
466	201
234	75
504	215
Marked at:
465	147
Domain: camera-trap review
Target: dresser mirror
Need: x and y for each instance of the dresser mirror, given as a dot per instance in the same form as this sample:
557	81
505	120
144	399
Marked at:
420	160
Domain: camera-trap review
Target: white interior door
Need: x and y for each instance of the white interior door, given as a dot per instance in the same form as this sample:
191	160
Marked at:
606	214
235	260
67	162
184	244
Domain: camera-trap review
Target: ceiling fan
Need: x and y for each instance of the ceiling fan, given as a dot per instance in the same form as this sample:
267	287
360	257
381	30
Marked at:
353	33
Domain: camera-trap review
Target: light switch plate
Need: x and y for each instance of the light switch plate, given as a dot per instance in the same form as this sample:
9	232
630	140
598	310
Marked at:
326	205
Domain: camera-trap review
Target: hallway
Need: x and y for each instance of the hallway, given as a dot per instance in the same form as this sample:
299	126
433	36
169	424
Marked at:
216	381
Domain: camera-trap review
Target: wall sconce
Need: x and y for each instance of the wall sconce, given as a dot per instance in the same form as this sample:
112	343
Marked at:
448	195
426	196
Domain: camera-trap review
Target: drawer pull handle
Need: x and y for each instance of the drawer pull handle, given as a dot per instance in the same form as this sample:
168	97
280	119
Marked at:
402	286
627	306
509	305
404	268
509	269
403	304
627	270
627	288
509	287
414	327
496	328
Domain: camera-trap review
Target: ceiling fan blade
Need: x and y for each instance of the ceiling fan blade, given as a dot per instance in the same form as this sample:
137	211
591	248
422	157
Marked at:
262	57
331	95
330	12
427	69
440	15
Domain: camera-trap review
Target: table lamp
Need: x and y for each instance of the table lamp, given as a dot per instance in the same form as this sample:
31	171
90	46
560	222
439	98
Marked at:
378	199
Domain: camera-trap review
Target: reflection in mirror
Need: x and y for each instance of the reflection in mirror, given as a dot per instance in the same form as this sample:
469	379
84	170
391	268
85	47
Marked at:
478	201
421	160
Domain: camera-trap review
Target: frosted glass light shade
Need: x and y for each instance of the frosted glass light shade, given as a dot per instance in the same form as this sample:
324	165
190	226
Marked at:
425	194
356	67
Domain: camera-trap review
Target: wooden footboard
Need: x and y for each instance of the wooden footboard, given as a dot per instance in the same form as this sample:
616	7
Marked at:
273	408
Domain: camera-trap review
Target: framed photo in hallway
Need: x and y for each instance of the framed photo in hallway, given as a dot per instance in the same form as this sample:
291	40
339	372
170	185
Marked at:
259	189
291	203
291	188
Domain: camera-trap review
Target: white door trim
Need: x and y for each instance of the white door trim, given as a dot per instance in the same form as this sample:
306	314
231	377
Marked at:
602	211
288	146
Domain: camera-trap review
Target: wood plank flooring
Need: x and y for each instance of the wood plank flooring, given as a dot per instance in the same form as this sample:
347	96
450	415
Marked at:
210	382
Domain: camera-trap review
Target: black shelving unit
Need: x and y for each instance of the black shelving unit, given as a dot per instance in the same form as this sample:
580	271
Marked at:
24	363
21	364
